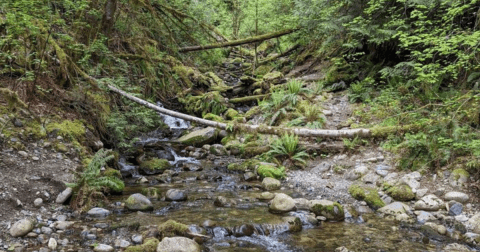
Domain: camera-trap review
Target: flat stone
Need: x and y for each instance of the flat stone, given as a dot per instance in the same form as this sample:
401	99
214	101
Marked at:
178	244
302	204
176	195
199	137
429	203
271	184
457	196
455	209
98	212
322	167
63	225
266	196
394	208
23	154
138	202
420	193
423	217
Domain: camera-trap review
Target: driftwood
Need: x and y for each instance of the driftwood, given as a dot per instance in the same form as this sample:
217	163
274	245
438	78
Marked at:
238	42
304	132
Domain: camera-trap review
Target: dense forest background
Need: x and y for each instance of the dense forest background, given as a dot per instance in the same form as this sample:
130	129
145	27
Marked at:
409	65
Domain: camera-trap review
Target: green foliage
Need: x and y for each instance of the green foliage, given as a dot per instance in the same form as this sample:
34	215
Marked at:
271	171
295	88
369	195
89	184
287	147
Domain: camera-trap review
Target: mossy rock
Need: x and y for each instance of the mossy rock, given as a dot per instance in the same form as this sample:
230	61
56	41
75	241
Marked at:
199	137
61	147
330	210
109	172
459	174
274	77
151	192
253	111
138	202
149	245
172	228
270	170
213	117
71	130
231	114
154	166
401	193
247	165
369	195
262	70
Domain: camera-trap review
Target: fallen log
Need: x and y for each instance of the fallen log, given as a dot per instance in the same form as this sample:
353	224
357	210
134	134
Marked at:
303	132
238	42
246	99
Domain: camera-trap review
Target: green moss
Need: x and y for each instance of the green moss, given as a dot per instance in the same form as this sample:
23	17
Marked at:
172	228
357	192
331	212
212	117
369	195
401	193
231	114
247	165
35	129
266	170
109	172
71	130
151	192
262	70
272	76
458	173
149	245
61	147
155	164
237	60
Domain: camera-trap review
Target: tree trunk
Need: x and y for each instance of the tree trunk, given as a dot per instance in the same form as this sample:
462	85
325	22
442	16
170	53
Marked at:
238	42
108	19
304	132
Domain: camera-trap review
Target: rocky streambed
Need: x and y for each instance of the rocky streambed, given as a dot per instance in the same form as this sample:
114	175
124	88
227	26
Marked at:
339	202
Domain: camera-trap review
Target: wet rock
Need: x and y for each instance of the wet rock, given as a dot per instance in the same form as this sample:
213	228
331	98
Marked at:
455	209
438	228
22	227
363	210
394	208
176	195
220	201
459	177
266	196
209	224
38	202
282	203
121	243
329	209
192	167
271	184
218	150
249	176
474	223
429	203
294	224
98	212
138	202
103	248
322	167
243	230
151	193
423	217
63	196
199	137
178	244
457	196
52	244
17	123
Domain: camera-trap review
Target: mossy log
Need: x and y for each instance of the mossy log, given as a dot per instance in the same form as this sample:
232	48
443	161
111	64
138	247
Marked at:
287	52
304	132
238	42
246	99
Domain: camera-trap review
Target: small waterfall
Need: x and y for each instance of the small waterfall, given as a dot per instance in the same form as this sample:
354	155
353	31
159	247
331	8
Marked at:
181	160
126	169
173	122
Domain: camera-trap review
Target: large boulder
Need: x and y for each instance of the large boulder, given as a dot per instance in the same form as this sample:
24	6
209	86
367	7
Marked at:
178	244
282	203
271	184
329	209
22	227
429	203
176	195
138	202
199	137
154	166
401	192
98	212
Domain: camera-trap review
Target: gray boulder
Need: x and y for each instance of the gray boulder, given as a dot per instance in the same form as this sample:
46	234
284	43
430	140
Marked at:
457	196
178	244
199	137
329	209
22	227
138	202
103	248
282	203
474	223
98	212
429	203
176	195
395	208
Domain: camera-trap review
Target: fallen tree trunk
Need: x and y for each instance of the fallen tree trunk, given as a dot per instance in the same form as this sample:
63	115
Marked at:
246	99
304	132
238	42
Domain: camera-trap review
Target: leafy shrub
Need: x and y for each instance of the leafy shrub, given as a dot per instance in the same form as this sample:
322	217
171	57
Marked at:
287	147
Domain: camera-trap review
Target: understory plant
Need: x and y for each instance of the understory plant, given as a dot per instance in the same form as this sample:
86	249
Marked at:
287	148
90	184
